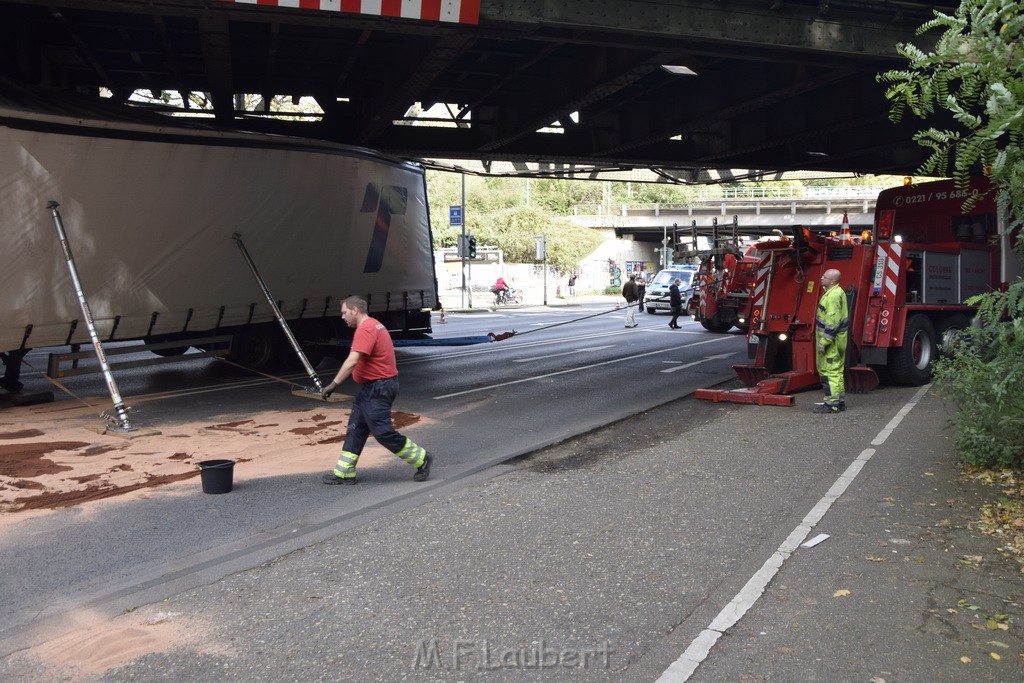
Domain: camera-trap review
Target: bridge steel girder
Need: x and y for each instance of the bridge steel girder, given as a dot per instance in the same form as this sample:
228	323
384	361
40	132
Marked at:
776	83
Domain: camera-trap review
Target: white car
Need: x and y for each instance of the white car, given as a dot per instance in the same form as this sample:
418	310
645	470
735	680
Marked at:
656	296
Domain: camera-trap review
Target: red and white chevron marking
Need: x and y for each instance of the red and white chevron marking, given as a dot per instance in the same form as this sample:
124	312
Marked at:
450	11
761	281
888	262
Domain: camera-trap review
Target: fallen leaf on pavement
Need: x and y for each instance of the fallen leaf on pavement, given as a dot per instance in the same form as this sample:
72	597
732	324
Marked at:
994	655
965	660
841	593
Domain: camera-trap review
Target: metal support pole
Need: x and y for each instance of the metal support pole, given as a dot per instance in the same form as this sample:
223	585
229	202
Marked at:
121	421
277	313
467	273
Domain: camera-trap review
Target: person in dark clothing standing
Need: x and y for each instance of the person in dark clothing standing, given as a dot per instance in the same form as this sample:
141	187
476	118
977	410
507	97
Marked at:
641	288
629	293
675	302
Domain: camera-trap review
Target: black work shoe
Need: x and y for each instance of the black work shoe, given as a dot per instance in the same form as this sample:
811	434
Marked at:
11	385
423	471
826	408
331	479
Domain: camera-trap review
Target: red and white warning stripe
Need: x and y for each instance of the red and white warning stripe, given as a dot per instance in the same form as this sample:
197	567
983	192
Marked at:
761	280
888	261
450	11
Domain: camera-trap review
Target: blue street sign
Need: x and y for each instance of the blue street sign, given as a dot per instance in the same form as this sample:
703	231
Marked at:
455	215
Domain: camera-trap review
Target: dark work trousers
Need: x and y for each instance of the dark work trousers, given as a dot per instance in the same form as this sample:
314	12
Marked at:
371	414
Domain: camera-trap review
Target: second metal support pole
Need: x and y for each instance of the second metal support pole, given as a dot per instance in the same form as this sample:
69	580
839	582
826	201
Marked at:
277	313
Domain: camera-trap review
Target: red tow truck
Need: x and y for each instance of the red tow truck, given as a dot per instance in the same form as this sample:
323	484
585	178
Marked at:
905	281
720	294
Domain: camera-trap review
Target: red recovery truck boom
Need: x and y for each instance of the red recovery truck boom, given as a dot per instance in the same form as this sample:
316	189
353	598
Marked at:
905	283
720	296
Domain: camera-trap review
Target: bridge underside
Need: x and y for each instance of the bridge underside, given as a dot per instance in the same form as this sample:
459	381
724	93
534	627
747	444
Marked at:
549	85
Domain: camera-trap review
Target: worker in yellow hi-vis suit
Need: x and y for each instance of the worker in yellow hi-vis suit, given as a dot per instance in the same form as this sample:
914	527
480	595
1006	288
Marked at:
831	331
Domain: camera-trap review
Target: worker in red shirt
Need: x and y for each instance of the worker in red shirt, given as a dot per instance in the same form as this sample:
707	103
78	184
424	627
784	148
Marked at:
371	362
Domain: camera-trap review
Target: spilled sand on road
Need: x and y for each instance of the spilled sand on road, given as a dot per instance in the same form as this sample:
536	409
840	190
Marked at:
52	458
95	644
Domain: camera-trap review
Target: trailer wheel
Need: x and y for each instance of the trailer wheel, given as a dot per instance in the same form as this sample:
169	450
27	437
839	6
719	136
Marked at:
171	352
911	364
255	347
305	331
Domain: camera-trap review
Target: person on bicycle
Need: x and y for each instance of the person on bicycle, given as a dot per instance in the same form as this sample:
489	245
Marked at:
500	290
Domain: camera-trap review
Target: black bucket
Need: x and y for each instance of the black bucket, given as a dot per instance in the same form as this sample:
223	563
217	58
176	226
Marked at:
216	475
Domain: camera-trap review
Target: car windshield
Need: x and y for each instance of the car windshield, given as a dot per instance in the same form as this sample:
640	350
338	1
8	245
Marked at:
666	277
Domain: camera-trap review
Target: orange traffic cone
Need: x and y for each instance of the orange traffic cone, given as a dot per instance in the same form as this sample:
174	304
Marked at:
844	232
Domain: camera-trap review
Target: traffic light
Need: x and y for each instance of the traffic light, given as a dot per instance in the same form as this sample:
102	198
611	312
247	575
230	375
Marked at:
471	247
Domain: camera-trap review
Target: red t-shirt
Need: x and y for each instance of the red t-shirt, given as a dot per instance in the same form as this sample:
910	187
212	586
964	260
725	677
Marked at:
378	360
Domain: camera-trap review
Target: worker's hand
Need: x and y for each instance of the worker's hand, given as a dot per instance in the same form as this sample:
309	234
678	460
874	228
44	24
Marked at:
821	348
328	390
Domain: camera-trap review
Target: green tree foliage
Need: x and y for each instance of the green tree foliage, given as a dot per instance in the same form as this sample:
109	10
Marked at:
976	75
984	376
514	228
498	214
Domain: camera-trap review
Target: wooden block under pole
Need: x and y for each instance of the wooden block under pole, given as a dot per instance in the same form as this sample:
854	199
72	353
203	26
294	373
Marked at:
333	398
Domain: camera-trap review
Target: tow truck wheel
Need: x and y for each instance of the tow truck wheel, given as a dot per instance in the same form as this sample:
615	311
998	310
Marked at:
911	364
946	332
715	324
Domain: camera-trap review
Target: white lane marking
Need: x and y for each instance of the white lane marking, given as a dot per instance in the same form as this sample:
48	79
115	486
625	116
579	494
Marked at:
698	362
884	434
698	650
579	369
564	353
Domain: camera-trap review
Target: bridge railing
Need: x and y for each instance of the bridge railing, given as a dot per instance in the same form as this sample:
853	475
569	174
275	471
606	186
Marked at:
732	198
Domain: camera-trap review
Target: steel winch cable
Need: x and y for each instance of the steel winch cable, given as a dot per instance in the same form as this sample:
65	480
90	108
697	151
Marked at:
282	380
59	385
688	290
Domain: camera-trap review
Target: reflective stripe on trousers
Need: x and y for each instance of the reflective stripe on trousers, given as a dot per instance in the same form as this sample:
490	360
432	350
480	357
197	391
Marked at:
410	452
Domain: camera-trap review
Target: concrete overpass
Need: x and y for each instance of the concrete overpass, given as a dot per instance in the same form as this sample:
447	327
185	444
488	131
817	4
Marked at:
759	211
